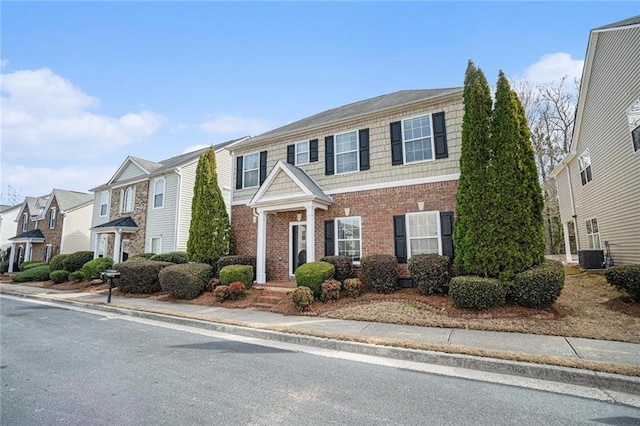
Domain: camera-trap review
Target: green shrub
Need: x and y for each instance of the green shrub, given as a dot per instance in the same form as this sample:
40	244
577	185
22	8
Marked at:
221	293
37	273
313	274
430	272
59	276
233	273
140	276
625	278
330	290
540	286
173	257
185	280
343	266
237	290
380	271
75	261
302	297
236	260
56	262
93	268
76	276
353	287
471	292
4	267
141	256
31	264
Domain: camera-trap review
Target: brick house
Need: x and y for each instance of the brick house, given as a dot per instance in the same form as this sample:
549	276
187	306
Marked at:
146	206
377	176
52	224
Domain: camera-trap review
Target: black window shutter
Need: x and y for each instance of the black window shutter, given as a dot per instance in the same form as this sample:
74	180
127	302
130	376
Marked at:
329	246
446	229
440	135
291	154
364	149
396	143
400	238
313	150
263	166
239	172
328	155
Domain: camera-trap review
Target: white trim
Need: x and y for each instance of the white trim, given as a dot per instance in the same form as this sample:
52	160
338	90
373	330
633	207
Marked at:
159	244
291	225
431	137
176	219
127	160
53	214
244	169
107	203
593	233
335	152
269	180
581	169
621	27
335	236
154	194
438	235
124	199
63	231
295	152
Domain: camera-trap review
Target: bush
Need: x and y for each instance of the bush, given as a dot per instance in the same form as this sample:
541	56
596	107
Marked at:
330	290
625	278
380	271
471	292
141	256
430	272
302	297
76	276
173	257
540	286
185	280
31	264
237	290
221	293
59	276
56	262
343	266
93	268
353	287
4	266
75	261
140	276
236	260
313	274
233	273
37	273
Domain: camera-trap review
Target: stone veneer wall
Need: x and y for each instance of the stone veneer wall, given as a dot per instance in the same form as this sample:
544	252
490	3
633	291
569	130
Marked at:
51	236
139	216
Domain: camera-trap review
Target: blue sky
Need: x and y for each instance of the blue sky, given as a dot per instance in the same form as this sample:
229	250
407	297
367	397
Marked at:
85	84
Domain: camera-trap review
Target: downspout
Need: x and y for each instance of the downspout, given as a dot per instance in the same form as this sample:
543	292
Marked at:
177	220
573	209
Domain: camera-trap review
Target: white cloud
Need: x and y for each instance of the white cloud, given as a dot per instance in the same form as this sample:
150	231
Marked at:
553	67
46	116
196	147
231	124
4	63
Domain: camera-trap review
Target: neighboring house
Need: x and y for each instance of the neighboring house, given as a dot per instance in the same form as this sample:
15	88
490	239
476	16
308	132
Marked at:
8	224
146	206
52	224
599	180
377	176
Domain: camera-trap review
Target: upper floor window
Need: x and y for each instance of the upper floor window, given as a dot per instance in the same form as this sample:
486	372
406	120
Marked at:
251	176
593	233
104	203
349	237
347	152
52	218
422	233
417	139
25	222
158	193
127	200
633	116
635	137
584	161
302	153
418	143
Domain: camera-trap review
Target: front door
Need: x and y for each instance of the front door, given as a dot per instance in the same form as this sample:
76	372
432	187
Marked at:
125	250
297	245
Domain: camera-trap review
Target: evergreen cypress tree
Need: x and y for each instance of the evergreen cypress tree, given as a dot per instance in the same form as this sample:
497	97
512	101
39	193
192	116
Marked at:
210	231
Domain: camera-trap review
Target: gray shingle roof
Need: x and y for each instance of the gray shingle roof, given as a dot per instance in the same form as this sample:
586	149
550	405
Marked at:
624	23
34	233
71	199
123	222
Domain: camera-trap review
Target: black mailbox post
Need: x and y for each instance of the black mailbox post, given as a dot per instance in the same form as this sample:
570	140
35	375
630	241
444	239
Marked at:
110	274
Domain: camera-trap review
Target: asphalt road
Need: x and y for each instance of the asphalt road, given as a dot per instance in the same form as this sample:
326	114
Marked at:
60	366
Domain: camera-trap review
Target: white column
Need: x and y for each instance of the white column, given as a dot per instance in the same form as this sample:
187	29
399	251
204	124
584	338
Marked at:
311	234
116	247
96	246
567	243
12	256
261	275
27	252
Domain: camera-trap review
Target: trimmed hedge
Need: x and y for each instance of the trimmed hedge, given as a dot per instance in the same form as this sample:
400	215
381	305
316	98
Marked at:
56	262
76	276
31	264
75	261
59	276
625	278
330	290
233	273
540	286
353	287
313	274
235	260
140	276
471	292
380	272
343	266
185	280
302	297
140	256
38	273
93	268
430	272
173	257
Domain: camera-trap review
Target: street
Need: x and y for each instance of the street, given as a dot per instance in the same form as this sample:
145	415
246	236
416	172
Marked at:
60	366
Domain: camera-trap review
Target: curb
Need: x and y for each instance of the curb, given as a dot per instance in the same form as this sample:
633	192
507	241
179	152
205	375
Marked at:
566	375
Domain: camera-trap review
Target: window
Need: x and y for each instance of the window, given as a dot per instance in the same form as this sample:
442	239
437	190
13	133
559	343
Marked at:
347	152
47	253
52	218
302	153
251	170
127	200
593	234
418	143
585	167
158	193
156	245
104	203
25	221
348	237
633	117
102	245
635	136
422	233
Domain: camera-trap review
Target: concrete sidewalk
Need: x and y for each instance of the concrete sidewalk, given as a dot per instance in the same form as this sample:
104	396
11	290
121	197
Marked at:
448	343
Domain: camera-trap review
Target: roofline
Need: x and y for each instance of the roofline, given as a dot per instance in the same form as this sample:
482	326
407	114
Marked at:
563	164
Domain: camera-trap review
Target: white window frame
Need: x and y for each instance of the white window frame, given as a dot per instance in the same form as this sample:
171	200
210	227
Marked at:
25	221
430	137
633	118
408	229
592	236
299	151
103	244
245	170
356	150
104	201
125	208
53	217
159	239
47	253
156	193
635	142
337	239
586	168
